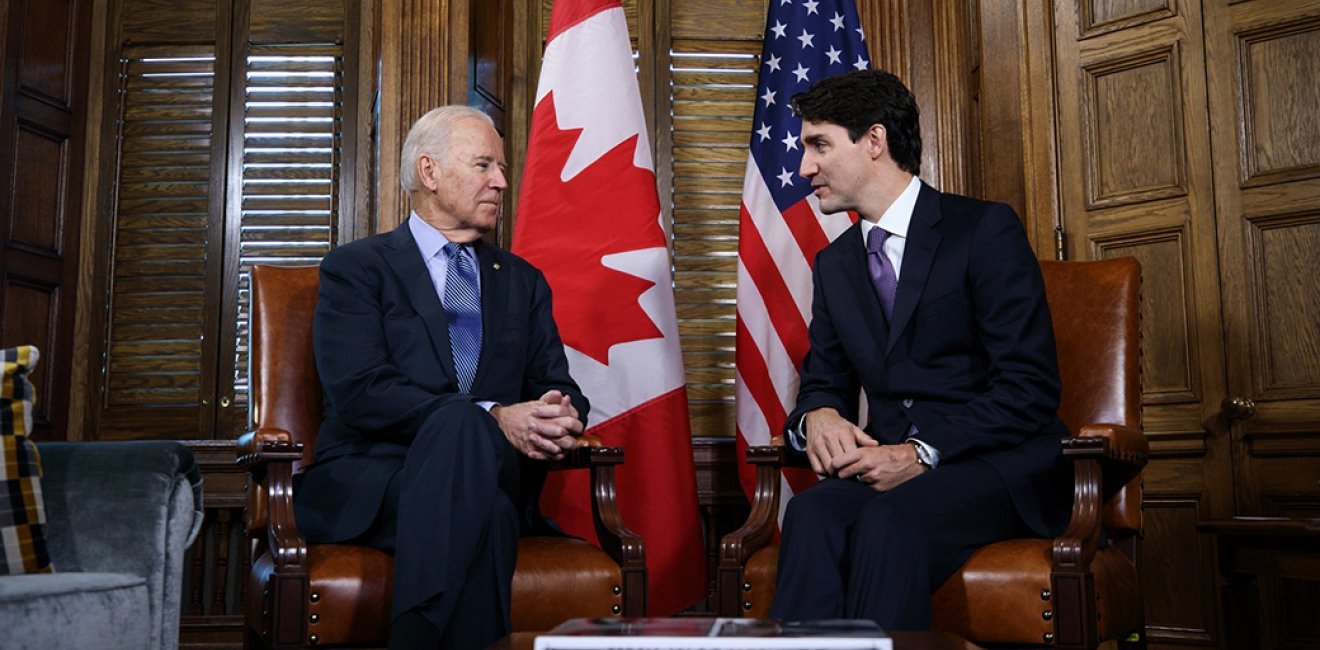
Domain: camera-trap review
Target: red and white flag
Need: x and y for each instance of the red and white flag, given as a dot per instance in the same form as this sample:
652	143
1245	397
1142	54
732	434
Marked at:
781	227
589	218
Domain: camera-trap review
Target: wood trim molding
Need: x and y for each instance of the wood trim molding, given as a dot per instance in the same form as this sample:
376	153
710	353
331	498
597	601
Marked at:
413	82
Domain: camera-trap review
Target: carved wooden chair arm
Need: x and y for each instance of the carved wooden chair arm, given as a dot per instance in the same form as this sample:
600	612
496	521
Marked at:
268	456
622	545
1106	457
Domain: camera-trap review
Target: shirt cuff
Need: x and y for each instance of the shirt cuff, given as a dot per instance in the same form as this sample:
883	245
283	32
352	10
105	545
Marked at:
933	454
797	435
487	406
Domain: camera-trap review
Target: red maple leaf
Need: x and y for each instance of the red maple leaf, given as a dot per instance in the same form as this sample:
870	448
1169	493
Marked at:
566	228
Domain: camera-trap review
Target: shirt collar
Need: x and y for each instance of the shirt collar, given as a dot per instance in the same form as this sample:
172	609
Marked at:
429	240
898	217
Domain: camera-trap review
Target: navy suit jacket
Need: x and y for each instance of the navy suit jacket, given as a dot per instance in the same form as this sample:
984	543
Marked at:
383	356
969	357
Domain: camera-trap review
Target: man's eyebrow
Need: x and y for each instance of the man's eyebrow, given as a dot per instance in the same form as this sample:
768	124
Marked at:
814	138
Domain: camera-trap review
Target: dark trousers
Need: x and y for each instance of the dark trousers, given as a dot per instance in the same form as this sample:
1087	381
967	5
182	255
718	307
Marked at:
450	520
848	551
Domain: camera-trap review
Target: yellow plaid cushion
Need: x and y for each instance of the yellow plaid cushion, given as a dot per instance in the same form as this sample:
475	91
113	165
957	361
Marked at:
22	513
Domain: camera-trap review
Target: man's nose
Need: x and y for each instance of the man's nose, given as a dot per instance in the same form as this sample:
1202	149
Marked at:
498	181
808	168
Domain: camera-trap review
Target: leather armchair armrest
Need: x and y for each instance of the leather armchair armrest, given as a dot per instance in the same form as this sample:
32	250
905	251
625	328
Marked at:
1106	457
268	455
621	544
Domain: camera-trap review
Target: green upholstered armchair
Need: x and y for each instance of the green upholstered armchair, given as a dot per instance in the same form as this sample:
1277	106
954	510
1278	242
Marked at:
119	517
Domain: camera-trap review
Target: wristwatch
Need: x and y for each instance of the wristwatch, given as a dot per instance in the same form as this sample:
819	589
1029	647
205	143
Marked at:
923	455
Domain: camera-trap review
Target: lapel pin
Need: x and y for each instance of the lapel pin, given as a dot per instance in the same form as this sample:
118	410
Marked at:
495	266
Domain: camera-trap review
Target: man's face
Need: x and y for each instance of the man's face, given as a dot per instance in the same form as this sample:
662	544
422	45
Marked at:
469	180
838	168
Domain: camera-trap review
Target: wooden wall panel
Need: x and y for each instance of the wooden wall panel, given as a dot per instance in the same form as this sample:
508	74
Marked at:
1133	153
1101	16
45	59
1168	364
43	63
31	310
1278	67
1286	252
1176	568
37	209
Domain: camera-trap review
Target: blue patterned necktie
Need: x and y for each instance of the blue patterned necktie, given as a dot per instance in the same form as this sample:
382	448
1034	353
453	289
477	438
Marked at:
883	278
462	303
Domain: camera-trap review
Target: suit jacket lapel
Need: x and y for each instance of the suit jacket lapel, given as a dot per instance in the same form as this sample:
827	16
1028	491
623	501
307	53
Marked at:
412	273
495	282
918	253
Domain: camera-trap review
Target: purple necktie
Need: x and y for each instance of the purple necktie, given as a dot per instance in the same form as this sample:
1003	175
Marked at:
883	278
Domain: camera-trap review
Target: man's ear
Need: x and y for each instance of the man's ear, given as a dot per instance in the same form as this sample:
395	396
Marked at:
876	142
428	172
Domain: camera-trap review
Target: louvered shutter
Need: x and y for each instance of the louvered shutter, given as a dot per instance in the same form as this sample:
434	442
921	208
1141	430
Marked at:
292	147
164	201
714	52
225	156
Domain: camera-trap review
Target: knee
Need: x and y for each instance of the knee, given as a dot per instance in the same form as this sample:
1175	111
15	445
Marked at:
814	514
458	424
892	524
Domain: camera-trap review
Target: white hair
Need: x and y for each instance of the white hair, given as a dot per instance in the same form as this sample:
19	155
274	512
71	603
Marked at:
429	135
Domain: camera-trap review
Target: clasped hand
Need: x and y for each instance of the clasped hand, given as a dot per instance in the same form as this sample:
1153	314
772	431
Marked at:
541	429
838	448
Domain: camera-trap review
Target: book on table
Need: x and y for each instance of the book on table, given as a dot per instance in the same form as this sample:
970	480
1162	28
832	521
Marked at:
691	633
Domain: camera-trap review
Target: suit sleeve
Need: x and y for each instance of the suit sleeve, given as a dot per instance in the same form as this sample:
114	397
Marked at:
827	377
547	367
1016	334
363	386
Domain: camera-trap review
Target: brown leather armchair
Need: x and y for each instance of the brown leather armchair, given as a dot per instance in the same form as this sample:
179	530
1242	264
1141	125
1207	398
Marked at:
300	594
1066	592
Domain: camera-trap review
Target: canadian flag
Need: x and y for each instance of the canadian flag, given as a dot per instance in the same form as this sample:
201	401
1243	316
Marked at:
589	218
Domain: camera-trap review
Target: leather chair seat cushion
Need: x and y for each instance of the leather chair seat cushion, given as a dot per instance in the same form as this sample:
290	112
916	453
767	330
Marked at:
758	587
350	586
996	596
349	590
558	578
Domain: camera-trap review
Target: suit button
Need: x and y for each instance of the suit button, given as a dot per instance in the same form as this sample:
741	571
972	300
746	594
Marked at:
907	403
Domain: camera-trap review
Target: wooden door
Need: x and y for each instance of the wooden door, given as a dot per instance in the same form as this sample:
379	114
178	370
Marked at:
43	58
1187	137
1263	65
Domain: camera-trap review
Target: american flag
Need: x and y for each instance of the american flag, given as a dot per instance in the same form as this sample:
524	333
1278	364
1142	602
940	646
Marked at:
781	227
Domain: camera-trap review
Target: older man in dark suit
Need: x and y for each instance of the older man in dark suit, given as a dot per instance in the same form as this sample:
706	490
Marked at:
445	384
933	307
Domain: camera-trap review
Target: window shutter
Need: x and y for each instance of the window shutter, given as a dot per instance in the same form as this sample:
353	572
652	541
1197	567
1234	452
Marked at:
292	137
229	151
713	90
155	315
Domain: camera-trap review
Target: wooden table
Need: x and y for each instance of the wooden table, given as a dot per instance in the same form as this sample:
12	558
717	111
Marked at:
1253	546
902	641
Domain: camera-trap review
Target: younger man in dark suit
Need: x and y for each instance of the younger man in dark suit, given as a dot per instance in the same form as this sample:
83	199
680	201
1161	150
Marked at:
934	308
445	380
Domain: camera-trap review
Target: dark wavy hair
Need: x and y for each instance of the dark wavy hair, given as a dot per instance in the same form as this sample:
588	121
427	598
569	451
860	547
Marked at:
861	98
